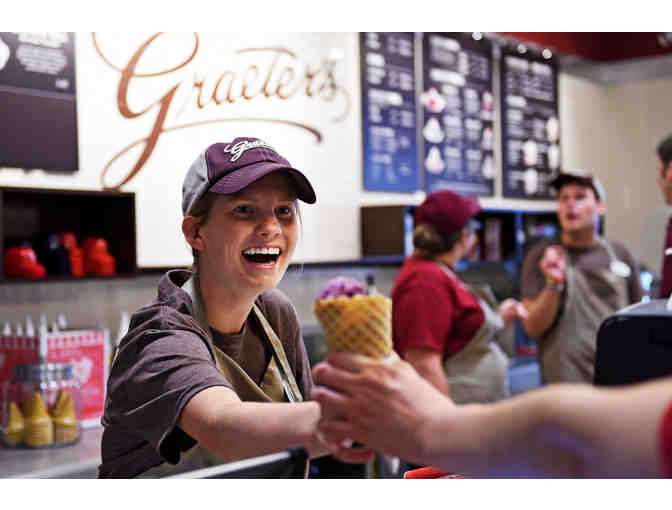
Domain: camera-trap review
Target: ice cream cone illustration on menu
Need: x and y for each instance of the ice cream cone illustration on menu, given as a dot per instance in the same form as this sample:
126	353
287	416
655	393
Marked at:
38	427
66	427
15	425
353	321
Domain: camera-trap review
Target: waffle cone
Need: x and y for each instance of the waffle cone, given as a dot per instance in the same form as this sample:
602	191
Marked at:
359	324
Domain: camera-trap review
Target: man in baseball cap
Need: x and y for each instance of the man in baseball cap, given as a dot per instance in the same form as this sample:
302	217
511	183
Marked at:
572	282
580	177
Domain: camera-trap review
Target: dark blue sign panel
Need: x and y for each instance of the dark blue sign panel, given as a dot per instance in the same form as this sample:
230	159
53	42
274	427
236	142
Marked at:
530	126
457	102
389	126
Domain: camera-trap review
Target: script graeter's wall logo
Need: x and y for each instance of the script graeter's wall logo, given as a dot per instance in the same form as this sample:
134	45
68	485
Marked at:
268	72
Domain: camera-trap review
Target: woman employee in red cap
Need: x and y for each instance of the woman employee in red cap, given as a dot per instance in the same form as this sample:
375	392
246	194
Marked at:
441	326
215	369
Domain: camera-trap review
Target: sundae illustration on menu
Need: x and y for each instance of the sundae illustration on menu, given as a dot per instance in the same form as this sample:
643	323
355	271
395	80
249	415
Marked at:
432	131
488	168
487	101
486	138
433	101
554	157
531	181
4	54
552	129
530	153
434	163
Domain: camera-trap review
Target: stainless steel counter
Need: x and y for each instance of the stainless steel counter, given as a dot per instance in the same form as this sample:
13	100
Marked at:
77	461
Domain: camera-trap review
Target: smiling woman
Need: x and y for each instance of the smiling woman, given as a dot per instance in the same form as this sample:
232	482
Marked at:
215	369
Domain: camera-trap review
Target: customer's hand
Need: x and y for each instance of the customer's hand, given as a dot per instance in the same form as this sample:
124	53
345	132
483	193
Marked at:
385	405
511	310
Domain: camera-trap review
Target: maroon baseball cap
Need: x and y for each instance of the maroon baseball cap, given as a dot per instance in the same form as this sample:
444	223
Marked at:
446	211
226	168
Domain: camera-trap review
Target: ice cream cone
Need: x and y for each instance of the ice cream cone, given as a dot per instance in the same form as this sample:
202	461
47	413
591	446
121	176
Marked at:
360	324
15	425
66	427
38	428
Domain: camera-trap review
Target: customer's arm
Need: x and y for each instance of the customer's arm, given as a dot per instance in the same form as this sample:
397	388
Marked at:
560	430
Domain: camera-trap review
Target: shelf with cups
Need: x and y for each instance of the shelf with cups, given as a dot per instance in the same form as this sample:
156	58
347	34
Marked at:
503	236
57	235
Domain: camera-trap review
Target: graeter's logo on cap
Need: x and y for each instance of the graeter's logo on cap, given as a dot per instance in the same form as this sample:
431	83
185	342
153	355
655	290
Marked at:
238	149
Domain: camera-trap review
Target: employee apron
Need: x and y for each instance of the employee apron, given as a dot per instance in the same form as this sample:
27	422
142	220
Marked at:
277	385
567	351
479	372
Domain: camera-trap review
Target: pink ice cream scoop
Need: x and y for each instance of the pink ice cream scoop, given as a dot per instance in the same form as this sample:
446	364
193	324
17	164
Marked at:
342	286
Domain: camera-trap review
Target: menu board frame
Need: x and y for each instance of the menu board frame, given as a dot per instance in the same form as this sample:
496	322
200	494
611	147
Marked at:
458	113
38	101
530	125
389	112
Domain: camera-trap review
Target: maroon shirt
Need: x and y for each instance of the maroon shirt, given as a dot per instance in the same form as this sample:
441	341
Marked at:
666	273
164	360
665	441
432	310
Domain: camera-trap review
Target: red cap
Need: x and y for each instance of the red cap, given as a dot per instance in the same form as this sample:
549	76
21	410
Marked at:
446	211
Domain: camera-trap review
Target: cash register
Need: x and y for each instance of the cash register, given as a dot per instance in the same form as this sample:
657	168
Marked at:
635	344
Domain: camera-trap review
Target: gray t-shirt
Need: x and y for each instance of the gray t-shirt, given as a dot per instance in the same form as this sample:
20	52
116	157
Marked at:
164	360
533	280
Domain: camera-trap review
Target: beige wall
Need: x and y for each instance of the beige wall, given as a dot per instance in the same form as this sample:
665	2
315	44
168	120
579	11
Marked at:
613	130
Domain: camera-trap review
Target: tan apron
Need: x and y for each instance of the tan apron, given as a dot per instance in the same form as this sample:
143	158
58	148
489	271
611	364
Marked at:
277	385
567	351
479	372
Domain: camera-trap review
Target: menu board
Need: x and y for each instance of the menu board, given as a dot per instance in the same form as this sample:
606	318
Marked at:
457	102
389	125
38	114
530	126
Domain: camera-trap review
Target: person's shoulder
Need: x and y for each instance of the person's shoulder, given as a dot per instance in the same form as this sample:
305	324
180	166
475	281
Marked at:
424	277
160	322
621	249
414	266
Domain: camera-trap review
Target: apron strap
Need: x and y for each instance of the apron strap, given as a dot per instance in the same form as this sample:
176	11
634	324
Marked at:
192	288
285	372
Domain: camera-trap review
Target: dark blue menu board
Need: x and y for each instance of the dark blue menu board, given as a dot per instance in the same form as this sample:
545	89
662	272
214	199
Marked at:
457	102
387	65
38	103
530	126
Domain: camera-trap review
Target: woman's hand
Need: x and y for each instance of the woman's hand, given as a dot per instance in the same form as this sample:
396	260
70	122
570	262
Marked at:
511	310
319	446
385	405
